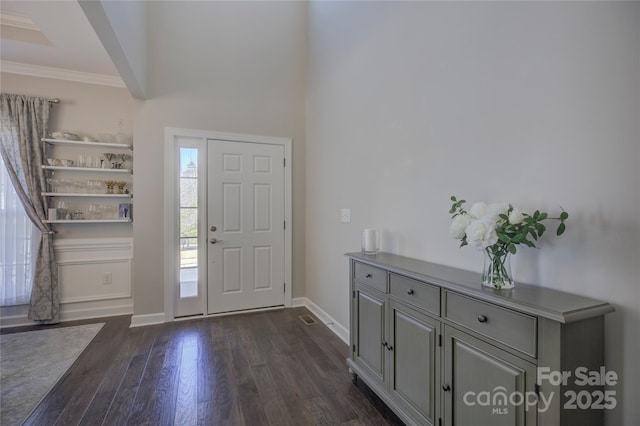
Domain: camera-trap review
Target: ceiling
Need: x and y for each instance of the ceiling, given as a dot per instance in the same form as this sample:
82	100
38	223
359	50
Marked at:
55	38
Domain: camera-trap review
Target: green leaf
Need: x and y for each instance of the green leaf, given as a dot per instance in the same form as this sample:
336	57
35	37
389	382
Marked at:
453	198
542	216
564	215
560	229
452	209
536	214
512	248
503	216
504	238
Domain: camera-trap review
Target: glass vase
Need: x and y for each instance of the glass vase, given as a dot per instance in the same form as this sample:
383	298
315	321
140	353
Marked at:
497	270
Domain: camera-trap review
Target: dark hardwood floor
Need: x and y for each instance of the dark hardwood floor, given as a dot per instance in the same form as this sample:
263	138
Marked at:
265	368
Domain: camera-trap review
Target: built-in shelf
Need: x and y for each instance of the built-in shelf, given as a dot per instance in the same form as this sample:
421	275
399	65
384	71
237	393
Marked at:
90	221
77	194
84	143
88	169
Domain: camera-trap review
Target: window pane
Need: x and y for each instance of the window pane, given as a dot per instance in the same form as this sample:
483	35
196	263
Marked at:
188	192
16	233
188	162
189	282
188	222
188	267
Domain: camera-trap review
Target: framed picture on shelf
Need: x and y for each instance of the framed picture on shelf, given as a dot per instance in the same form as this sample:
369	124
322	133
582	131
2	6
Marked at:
124	211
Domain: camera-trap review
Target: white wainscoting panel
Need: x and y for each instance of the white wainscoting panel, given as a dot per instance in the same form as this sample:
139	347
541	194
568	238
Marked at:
82	264
94	269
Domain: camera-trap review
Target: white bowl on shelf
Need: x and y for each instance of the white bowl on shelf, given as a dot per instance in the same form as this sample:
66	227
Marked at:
66	163
52	161
65	136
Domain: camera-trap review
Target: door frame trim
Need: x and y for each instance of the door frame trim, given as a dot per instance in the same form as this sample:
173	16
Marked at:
170	199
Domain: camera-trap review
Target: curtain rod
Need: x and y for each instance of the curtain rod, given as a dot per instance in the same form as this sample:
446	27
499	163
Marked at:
54	101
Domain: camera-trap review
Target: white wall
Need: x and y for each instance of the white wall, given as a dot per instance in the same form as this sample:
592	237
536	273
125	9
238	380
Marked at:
537	104
234	67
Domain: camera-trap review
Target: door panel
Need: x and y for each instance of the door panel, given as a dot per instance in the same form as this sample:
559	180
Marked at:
475	370
414	369
231	270
231	207
246	209
370	317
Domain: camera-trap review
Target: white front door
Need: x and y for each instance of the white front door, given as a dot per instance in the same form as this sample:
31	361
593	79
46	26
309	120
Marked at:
246	226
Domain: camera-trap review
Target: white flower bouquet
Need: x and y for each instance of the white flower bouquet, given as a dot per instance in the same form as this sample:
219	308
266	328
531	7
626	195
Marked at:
498	229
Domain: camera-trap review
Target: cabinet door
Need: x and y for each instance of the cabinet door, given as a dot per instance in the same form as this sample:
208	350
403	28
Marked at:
370	334
481	382
414	363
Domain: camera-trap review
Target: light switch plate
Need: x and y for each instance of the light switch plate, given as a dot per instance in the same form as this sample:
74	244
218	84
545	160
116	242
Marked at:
345	215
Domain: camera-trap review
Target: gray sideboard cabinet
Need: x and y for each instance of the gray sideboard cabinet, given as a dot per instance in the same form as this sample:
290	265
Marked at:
434	345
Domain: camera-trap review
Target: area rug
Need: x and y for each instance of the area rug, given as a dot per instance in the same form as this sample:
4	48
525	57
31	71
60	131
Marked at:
32	362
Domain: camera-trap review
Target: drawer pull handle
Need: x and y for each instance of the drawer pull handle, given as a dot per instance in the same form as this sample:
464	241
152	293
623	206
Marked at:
410	291
482	318
389	347
384	344
446	387
368	276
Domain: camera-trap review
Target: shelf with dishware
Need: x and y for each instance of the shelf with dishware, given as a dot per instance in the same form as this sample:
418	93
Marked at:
89	187
107	161
74	221
80	196
88	143
87	169
65	211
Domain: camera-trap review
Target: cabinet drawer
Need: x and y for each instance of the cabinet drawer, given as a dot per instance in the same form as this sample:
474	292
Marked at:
371	276
512	328
422	295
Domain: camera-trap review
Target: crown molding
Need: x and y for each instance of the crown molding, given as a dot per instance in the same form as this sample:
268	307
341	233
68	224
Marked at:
61	74
18	21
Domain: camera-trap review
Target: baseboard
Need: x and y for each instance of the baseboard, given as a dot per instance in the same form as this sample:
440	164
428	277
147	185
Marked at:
298	302
147	319
78	314
68	314
341	331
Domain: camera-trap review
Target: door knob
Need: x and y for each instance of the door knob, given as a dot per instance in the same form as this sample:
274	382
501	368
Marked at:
214	241
213	228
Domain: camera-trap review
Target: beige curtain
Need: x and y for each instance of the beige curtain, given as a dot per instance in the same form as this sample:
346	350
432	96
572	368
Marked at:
24	122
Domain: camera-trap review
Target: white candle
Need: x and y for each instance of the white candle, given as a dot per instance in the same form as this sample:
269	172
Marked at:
370	240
